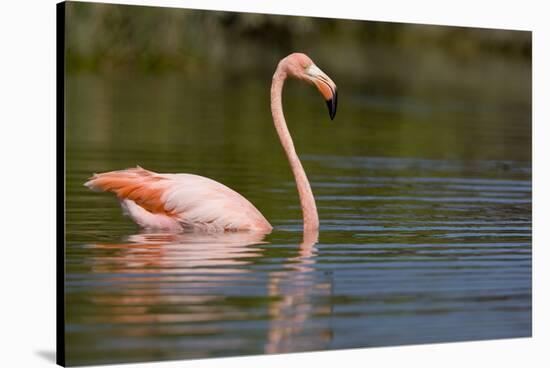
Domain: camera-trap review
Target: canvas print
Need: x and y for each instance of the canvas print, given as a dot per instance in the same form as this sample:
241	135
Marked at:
239	184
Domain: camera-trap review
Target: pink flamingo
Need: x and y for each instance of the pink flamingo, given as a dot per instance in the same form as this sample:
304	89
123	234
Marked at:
184	201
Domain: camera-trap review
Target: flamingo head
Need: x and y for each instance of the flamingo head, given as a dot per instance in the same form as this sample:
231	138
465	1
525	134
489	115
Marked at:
300	66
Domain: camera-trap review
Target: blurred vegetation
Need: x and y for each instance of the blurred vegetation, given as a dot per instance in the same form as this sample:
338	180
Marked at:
104	37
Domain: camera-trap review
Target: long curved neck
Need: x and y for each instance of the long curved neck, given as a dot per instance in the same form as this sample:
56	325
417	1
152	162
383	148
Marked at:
307	201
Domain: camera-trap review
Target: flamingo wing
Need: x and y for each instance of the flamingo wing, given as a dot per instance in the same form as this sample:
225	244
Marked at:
179	201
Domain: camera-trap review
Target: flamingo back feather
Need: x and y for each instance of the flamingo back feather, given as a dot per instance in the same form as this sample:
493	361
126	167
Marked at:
137	184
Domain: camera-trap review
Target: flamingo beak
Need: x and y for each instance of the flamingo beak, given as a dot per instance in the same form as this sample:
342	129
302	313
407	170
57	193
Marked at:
326	86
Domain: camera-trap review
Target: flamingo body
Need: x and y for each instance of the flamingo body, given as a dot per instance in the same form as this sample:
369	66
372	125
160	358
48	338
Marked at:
179	201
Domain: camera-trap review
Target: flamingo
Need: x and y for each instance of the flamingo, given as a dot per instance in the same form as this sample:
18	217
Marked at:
183	202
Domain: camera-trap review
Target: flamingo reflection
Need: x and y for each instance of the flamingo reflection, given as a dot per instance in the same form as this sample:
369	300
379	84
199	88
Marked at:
199	288
300	317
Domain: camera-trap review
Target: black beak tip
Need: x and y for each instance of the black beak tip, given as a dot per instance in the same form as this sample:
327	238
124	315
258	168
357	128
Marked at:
332	104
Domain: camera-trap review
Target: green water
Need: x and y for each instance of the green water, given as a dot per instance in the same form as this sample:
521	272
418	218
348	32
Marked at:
424	198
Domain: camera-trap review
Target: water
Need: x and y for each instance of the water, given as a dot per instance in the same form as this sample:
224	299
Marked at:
424	203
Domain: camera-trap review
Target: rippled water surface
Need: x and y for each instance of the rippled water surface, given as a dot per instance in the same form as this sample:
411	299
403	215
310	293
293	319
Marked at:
425	209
